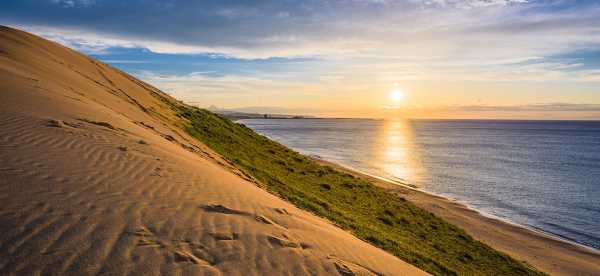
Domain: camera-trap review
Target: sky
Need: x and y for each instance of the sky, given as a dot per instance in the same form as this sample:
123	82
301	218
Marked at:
503	59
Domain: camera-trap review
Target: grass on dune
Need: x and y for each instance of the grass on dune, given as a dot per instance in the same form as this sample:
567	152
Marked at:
369	212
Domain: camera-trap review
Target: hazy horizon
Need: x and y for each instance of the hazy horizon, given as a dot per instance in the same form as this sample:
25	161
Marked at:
504	113
500	59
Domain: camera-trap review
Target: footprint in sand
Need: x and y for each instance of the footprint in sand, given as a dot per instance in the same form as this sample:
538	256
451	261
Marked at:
61	124
55	123
146	237
282	211
218	208
182	251
282	242
191	252
225	236
149	243
185	256
264	220
142	232
347	268
98	123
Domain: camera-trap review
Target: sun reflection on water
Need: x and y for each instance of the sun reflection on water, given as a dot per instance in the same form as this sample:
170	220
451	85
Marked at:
397	152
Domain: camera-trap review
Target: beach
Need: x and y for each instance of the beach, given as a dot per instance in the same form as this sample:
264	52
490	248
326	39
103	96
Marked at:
546	252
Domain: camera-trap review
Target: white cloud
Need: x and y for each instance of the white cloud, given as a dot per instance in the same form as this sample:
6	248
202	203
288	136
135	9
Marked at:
501	40
474	3
489	29
87	42
73	3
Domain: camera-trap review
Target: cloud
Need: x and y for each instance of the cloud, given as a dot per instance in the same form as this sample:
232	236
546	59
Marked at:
206	87
467	4
73	3
493	29
394	40
590	75
84	41
546	107
125	61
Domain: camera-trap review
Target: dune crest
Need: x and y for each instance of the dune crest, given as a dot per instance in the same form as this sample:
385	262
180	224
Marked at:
97	178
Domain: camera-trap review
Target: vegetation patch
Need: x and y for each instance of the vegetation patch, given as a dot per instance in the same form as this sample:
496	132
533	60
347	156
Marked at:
369	212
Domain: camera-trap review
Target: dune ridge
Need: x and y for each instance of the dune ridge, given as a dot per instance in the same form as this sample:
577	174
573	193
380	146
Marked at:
96	178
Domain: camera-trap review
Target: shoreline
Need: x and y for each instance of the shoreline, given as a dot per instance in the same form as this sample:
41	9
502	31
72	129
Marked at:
545	251
448	198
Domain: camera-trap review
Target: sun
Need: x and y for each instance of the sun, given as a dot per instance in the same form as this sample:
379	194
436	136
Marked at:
396	95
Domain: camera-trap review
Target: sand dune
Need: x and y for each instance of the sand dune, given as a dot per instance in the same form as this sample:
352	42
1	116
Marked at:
96	178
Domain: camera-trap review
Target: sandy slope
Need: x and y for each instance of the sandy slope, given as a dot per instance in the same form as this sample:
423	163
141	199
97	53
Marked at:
95	179
544	252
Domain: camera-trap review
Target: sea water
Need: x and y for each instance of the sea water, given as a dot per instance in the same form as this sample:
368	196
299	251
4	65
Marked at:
539	174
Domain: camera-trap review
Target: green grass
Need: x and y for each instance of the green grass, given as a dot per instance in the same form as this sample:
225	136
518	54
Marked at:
369	212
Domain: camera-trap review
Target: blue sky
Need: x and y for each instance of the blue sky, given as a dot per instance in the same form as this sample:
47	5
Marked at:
342	57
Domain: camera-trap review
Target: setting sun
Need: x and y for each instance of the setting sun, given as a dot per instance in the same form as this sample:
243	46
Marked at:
396	95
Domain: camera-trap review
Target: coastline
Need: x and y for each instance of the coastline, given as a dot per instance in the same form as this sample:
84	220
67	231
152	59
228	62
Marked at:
545	251
464	204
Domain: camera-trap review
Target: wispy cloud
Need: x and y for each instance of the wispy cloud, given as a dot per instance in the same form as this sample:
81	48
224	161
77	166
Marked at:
73	3
490	29
224	89
561	107
457	36
125	61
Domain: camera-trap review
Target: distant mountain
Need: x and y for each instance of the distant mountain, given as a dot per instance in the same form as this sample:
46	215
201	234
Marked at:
236	114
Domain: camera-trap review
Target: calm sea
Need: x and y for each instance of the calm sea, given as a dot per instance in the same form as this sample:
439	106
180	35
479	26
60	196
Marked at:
541	174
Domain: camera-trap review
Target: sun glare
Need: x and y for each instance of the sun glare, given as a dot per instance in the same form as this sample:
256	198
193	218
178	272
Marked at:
396	95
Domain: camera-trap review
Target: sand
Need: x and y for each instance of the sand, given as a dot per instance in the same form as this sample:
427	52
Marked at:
96	178
543	251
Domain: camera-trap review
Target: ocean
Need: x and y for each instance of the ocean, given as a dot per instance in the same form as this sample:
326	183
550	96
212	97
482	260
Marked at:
540	174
